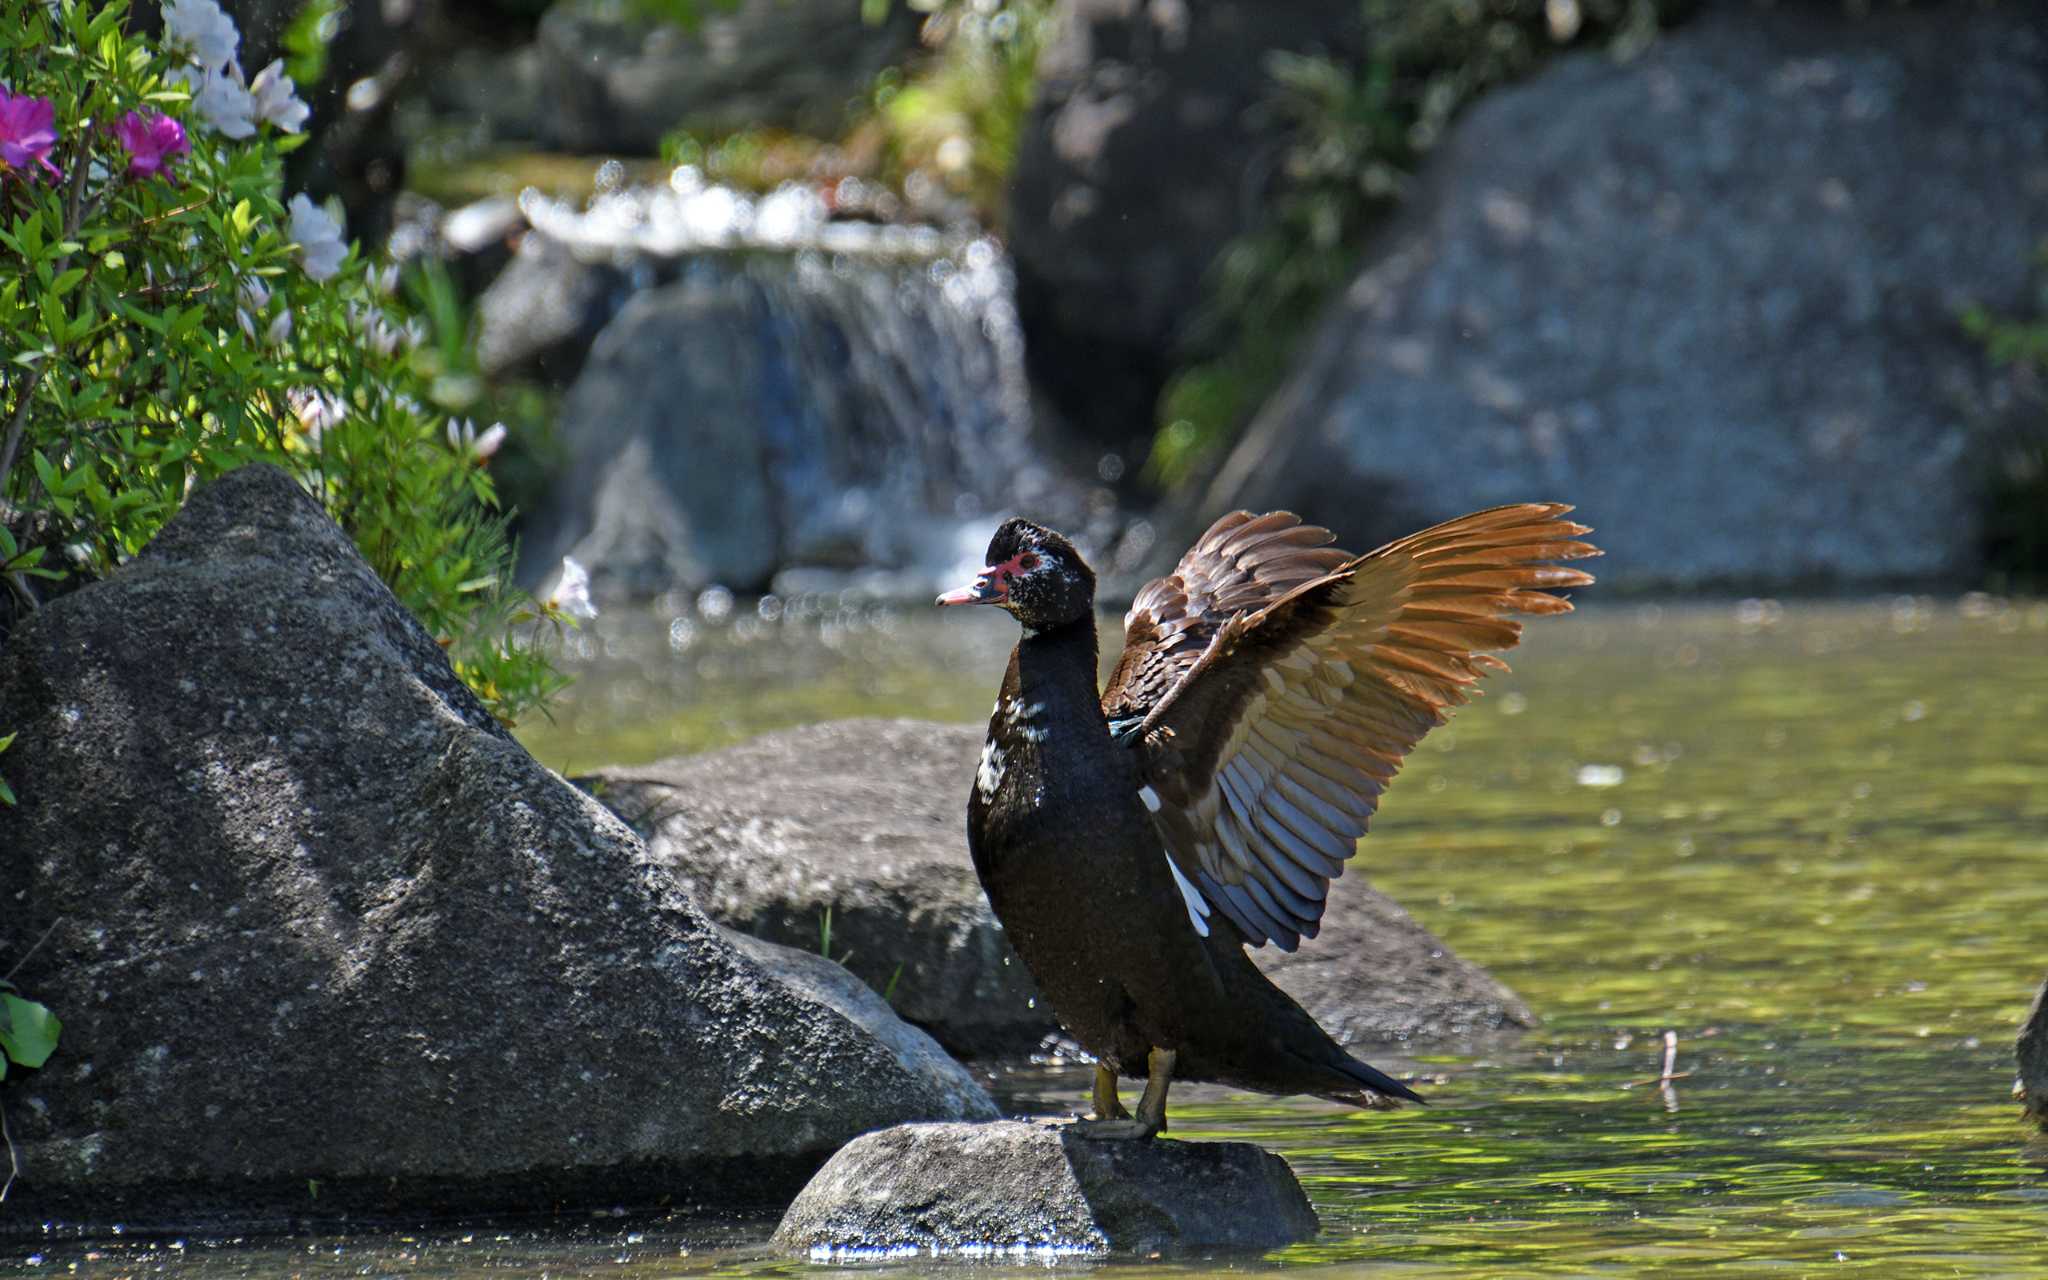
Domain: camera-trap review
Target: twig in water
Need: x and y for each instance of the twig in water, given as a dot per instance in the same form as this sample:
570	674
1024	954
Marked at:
1670	1062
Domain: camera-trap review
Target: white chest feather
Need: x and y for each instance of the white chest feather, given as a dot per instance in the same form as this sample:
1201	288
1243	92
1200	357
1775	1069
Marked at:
989	776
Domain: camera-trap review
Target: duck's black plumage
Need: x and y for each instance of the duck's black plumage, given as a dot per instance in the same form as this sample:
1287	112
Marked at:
1133	842
1078	876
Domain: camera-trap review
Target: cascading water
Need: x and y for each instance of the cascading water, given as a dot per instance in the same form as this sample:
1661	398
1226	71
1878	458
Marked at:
784	399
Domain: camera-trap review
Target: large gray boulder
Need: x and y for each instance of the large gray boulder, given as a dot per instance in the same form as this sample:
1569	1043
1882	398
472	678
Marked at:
866	820
2032	1052
1146	151
1020	1188
1710	295
324	938
602	76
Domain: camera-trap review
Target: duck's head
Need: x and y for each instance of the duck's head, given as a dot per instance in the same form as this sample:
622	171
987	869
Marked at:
1034	573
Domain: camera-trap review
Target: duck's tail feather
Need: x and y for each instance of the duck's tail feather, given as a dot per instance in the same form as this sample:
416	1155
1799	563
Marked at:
1377	1081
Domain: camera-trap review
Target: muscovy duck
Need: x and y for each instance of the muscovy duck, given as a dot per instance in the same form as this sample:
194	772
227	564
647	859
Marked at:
1133	843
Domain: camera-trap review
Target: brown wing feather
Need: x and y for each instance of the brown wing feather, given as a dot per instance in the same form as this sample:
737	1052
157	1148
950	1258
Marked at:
1275	685
1243	564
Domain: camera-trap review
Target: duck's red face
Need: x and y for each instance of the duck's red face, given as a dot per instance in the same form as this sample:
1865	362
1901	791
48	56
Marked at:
992	585
1035	574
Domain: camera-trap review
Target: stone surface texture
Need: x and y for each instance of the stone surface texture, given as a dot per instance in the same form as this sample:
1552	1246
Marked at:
601	78
1012	1185
1146	151
1710	295
316	923
866	819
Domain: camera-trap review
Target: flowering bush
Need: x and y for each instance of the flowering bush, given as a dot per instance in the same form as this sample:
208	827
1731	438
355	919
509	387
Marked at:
167	315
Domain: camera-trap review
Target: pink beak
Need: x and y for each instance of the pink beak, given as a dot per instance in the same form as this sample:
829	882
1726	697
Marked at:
989	588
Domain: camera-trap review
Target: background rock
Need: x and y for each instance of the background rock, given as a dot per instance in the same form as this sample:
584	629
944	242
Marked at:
827	982
1697	294
867	819
600	78
540	314
1143	155
314	918
944	1187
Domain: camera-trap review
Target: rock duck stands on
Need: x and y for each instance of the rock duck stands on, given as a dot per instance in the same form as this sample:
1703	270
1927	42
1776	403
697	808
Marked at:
1016	1191
1134	842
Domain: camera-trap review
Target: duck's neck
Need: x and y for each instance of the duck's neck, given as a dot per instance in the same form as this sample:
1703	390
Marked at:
1056	667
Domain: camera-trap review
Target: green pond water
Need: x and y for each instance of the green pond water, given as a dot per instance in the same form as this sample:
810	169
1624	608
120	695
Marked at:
1808	841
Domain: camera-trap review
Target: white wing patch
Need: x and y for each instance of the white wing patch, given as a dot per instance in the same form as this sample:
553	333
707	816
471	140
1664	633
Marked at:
1020	715
1198	906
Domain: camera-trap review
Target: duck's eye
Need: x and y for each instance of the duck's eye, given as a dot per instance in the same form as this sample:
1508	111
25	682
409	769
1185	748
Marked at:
1027	562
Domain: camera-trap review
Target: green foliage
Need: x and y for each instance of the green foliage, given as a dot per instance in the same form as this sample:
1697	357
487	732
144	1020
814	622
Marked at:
445	360
306	38
161	329
958	119
825	938
2015	478
687	14
951	119
1357	134
28	1031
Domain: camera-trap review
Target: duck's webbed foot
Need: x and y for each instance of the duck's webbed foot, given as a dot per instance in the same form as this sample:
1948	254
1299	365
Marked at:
1117	1124
1107	1104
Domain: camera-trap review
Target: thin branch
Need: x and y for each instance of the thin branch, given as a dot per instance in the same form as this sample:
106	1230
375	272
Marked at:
18	425
1669	1072
74	200
9	975
17	582
13	1158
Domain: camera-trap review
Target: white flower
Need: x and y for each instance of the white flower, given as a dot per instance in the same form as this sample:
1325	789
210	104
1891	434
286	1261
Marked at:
275	101
248	325
415	332
379	333
254	294
201	29
318	233
316	412
280	330
462	438
385	279
219	99
572	591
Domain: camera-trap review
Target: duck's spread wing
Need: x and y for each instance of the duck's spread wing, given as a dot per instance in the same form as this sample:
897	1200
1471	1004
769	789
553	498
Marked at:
1242	565
1273	686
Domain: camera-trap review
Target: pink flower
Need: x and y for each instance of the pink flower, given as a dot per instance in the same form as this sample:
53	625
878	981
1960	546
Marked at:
152	140
28	129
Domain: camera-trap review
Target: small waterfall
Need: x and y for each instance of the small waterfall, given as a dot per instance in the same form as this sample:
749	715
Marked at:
781	399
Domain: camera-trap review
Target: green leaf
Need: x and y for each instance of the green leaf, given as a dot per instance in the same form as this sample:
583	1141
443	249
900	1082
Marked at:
68	281
31	1037
108	21
8	741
